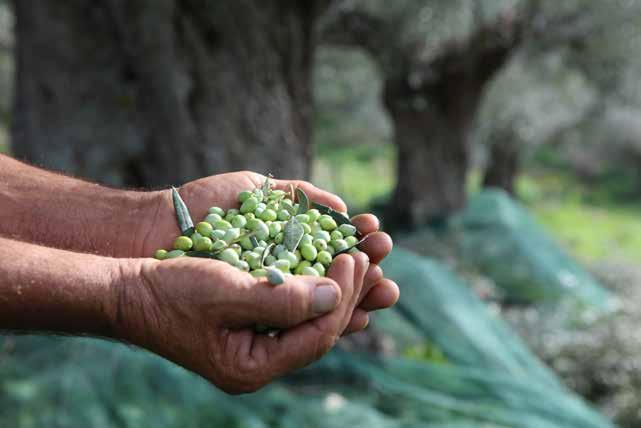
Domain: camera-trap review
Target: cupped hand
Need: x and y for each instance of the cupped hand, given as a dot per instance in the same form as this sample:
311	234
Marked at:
222	190
201	315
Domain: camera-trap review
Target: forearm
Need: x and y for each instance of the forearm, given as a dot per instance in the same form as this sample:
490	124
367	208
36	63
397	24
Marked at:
49	290
54	210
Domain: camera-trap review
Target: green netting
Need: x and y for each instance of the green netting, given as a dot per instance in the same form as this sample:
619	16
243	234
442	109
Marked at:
500	238
487	377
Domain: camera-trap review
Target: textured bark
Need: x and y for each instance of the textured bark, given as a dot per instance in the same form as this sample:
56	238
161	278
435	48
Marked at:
152	92
503	166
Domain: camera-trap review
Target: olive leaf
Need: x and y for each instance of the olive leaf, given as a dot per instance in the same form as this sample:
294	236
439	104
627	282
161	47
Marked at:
266	253
338	217
267	185
303	201
338	253
185	223
254	241
202	254
293	233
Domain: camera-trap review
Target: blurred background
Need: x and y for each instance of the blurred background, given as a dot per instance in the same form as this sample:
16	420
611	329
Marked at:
499	141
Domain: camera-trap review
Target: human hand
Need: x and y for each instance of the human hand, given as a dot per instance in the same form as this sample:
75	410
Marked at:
222	190
200	314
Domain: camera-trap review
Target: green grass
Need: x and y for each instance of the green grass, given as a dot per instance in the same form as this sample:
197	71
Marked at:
359	173
590	225
591	222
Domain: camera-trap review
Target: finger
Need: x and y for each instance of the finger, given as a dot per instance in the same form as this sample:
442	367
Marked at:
359	321
365	223
372	277
305	343
383	295
299	299
377	246
313	193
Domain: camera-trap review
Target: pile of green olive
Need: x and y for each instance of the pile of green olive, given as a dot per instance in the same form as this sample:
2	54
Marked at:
268	234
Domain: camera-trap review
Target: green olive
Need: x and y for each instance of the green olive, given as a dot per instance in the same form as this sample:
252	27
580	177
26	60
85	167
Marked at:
306	239
236	248
338	244
196	236
351	240
279	238
262	231
313	214
204	228
270	260
229	255
217	234
347	229
319	268
242	265
250	216
278	249
283	215
212	218
309	252
244	195
222	225
268	215
258	194
336	235
249	205
203	244
322	234
161	254
306	228
231	213
290	257
274	229
324	257
259	209
257	273
246	244
275	276
320	244
327	223
175	253
253	259
183	243
302	218
303	264
239	221
282	265
219	245
217	210
310	271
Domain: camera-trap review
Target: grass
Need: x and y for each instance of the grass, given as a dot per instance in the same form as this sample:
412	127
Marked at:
588	221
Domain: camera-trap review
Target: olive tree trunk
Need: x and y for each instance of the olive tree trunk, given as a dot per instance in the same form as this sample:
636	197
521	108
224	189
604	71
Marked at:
152	92
503	166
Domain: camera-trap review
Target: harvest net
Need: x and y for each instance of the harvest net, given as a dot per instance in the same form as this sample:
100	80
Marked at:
477	373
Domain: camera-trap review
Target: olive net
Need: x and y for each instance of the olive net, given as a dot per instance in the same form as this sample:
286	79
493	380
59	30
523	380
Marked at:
461	367
499	237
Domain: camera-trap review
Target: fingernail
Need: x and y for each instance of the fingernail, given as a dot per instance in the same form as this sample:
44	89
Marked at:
325	299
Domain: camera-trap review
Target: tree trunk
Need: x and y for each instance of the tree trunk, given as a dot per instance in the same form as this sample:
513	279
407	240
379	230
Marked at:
431	132
153	92
503	166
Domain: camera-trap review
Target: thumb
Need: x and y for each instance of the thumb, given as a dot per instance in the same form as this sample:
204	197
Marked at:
298	299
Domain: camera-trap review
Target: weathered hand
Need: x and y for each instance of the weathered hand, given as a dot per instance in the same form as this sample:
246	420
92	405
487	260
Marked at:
222	190
201	313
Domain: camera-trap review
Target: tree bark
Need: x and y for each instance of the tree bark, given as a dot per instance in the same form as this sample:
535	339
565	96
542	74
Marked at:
503	166
157	92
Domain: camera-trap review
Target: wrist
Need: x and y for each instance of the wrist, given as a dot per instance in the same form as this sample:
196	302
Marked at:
157	226
125	306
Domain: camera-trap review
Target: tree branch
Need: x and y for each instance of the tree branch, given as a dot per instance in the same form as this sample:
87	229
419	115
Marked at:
355	28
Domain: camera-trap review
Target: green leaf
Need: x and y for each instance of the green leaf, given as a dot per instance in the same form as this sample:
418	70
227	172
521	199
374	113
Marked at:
266	253
267	185
185	223
338	253
303	201
338	217
254	241
202	254
293	233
